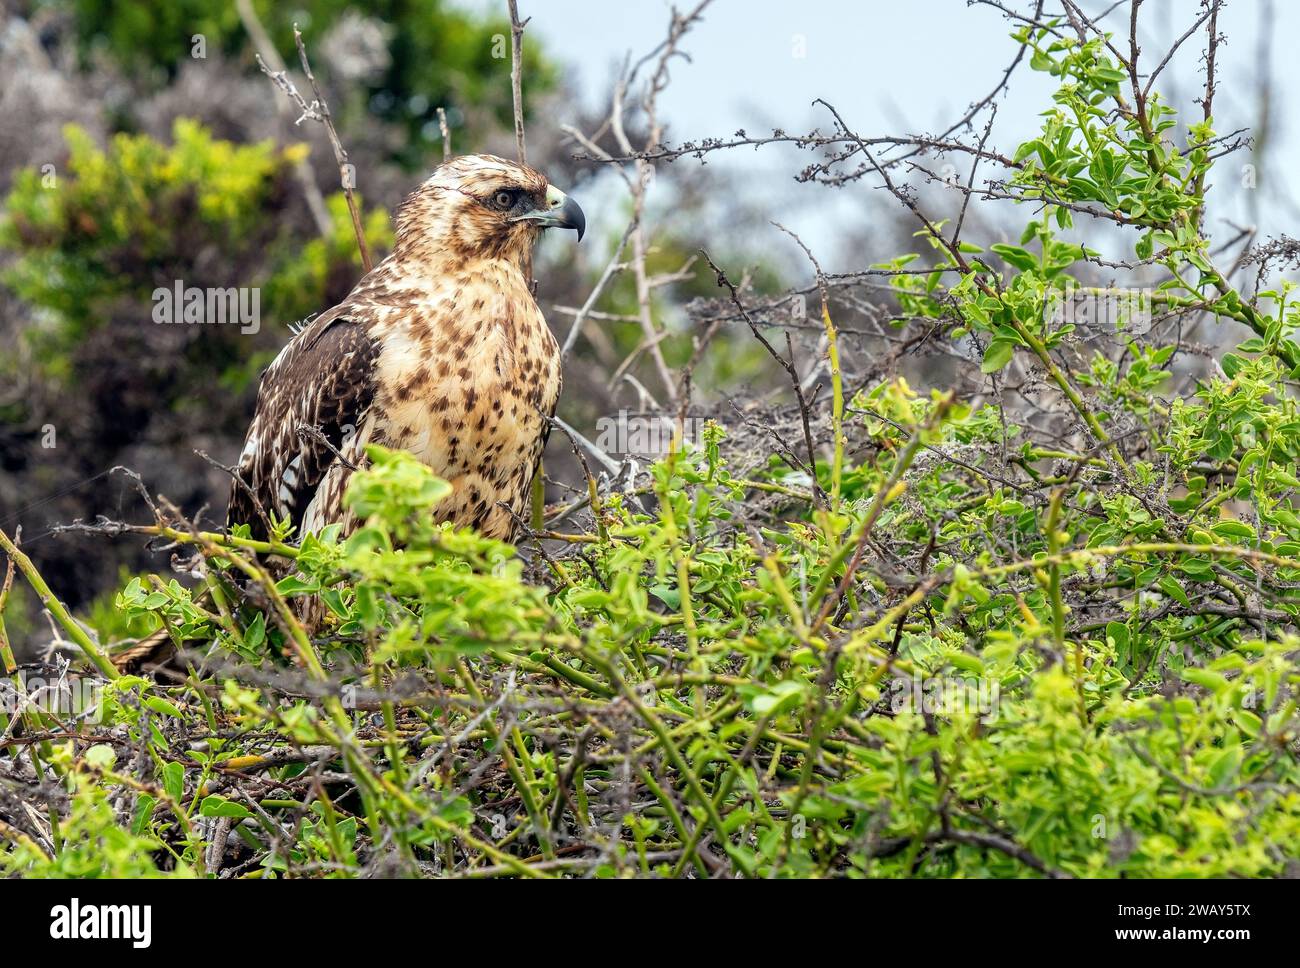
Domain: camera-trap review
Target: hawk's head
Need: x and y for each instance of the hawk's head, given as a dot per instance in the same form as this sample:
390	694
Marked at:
483	206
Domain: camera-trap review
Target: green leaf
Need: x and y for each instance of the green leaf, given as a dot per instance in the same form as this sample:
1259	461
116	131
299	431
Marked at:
1204	677
1225	765
297	585
174	780
162	707
219	806
1232	364
1016	256
1234	529
101	756
781	695
997	356
255	634
1169	585
143	812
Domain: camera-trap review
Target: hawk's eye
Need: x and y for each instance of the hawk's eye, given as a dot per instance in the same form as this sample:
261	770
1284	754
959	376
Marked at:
504	200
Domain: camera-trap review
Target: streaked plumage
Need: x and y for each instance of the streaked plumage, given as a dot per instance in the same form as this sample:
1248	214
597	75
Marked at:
440	350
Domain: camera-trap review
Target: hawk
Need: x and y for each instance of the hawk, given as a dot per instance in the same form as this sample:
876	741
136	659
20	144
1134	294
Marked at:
440	350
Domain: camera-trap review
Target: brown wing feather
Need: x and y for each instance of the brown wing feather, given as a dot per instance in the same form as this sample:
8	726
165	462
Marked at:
324	380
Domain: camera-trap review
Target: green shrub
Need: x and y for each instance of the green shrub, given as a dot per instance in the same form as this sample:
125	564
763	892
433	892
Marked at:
95	241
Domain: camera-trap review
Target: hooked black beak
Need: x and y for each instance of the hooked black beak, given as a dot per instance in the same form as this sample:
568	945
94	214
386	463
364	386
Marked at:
561	212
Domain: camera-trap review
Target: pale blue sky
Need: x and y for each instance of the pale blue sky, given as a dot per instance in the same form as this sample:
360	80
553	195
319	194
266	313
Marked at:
894	67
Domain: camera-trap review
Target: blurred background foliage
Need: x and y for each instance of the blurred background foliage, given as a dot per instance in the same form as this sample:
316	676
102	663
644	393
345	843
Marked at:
140	145
404	58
